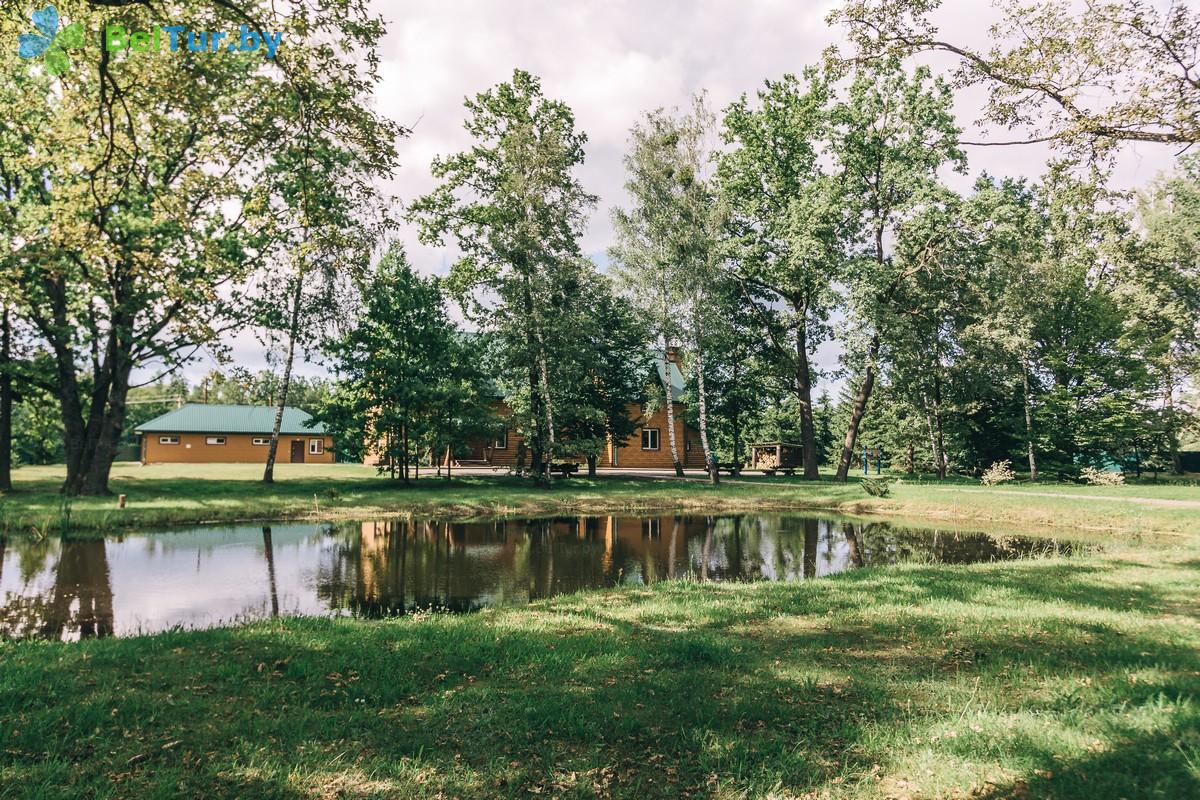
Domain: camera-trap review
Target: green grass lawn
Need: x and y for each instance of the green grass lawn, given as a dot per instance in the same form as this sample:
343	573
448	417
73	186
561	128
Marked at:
171	495
1057	678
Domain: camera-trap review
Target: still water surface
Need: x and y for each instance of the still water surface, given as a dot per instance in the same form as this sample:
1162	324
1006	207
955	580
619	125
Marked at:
77	587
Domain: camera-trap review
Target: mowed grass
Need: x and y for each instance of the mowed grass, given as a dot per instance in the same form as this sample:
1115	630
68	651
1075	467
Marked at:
1056	678
171	495
160	495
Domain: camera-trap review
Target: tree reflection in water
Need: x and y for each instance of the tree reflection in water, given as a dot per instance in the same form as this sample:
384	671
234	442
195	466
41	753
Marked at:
62	588
78	604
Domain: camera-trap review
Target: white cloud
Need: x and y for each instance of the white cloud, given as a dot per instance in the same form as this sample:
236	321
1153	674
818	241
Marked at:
611	62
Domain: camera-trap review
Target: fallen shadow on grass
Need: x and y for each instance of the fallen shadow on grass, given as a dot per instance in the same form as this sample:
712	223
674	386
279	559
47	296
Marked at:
683	690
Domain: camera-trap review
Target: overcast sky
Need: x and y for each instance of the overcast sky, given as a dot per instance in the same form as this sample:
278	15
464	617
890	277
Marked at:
612	61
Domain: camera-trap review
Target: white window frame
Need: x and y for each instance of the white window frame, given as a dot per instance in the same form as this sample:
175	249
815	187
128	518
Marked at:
172	440
501	442
657	437
214	440
316	447
260	441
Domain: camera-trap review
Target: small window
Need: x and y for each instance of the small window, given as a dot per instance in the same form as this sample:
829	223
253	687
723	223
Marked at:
215	440
651	528
316	447
649	438
260	441
168	440
501	442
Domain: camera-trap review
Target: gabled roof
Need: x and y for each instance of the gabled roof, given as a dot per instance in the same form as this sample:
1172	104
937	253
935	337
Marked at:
677	385
203	418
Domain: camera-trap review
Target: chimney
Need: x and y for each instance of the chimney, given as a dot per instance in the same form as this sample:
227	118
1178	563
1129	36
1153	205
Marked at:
673	355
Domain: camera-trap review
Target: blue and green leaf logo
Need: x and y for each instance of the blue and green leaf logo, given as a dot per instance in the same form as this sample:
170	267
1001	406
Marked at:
50	42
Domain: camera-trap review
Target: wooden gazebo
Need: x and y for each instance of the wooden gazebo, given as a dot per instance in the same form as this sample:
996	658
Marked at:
775	455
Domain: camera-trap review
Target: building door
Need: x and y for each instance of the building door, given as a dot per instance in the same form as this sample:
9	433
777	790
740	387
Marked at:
297	451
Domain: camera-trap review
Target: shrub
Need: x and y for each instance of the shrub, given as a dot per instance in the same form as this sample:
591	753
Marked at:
1095	477
877	487
1000	472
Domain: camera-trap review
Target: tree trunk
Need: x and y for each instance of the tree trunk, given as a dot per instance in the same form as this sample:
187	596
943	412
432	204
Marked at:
1172	428
91	442
1033	476
943	461
812	539
5	401
92	419
547	406
808	430
910	463
591	464
391	451
934	456
666	377
852	545
82	594
536	442
293	332
736	431
857	411
404	452
710	461
269	551
670	408
106	426
535	425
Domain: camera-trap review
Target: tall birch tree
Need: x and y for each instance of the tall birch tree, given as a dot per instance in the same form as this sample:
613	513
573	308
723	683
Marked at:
515	208
646	250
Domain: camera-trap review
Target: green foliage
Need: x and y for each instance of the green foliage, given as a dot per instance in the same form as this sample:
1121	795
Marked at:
37	429
613	364
407	377
876	487
239	386
1087	76
135	189
516	210
788	230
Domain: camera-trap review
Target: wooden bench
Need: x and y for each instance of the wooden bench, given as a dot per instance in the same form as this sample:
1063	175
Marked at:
734	468
566	470
789	471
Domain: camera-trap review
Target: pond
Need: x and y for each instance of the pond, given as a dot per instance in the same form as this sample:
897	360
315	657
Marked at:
74	587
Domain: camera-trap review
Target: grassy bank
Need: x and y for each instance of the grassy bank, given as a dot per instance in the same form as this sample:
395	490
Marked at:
171	495
1046	678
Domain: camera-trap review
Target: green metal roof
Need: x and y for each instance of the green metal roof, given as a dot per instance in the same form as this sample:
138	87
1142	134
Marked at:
202	418
677	384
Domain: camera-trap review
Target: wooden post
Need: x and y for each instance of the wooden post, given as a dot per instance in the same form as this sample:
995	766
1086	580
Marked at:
121	501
